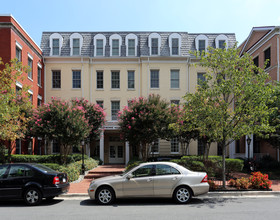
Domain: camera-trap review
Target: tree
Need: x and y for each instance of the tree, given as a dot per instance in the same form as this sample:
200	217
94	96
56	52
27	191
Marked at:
95	116
144	121
13	104
234	97
63	122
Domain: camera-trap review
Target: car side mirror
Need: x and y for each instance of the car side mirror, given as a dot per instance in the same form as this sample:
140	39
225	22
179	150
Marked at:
129	176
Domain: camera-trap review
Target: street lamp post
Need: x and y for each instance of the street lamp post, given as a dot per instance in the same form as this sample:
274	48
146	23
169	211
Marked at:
83	164
248	143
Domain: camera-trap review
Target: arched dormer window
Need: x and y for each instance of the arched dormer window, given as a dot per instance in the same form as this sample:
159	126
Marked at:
175	44
221	41
76	42
201	43
131	42
154	44
55	44
115	45
99	41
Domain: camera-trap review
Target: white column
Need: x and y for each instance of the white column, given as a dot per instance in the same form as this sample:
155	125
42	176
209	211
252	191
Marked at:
88	149
251	147
102	146
126	152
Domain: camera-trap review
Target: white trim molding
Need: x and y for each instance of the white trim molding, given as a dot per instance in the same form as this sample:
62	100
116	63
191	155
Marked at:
115	37
151	36
99	37
221	37
55	36
178	36
131	37
81	40
18	45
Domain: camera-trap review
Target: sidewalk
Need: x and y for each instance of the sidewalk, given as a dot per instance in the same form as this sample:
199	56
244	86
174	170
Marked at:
80	188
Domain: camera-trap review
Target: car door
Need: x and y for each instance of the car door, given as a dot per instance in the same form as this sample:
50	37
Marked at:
165	180
3	177
17	177
141	184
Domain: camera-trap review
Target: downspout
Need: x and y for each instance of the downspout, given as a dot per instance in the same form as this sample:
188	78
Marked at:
139	78
45	89
148	69
82	76
90	83
278	66
188	74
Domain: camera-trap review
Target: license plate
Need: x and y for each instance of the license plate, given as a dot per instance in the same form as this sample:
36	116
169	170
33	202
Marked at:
64	180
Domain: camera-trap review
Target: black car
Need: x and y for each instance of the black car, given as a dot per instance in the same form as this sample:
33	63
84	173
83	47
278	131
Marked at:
31	182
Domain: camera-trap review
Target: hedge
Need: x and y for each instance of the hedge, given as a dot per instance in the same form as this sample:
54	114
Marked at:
55	158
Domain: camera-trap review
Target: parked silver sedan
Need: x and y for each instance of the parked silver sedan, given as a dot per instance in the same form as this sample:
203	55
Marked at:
155	179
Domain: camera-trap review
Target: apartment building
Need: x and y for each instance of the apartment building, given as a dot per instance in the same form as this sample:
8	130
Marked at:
111	68
263	45
16	43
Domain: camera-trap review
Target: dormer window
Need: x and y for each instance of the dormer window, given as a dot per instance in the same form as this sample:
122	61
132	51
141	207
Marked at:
131	42
115	45
99	44
76	42
175	44
221	41
55	44
154	43
201	43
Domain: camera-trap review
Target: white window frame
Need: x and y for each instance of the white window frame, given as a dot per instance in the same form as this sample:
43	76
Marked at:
174	152
40	98
221	37
201	37
55	36
39	82
115	37
171	79
99	71
151	36
19	47
131	37
74	80
178	36
112	109
81	40
99	37
128	79
30	73
151	79
112	82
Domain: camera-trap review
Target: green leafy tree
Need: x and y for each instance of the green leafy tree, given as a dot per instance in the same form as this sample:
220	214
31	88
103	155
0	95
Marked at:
234	98
62	121
144	121
13	104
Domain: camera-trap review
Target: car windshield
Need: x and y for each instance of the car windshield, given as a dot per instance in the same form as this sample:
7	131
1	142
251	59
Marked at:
44	168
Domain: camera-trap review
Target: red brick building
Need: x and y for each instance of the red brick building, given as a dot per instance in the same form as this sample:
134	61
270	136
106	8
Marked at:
263	45
16	43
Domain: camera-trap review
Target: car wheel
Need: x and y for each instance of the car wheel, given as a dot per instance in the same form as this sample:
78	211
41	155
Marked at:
105	196
182	195
32	196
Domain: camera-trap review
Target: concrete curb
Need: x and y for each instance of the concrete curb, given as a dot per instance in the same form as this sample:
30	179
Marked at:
209	195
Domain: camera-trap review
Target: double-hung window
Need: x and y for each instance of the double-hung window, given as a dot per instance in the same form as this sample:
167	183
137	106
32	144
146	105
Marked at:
115	79
99	80
115	47
201	46
76	46
155	147
39	76
115	108
222	44
174	79
99	47
30	65
175	46
130	79
154	46
55	47
18	54
131	47
56	79
100	103
175	145
200	78
267	57
154	79
76	79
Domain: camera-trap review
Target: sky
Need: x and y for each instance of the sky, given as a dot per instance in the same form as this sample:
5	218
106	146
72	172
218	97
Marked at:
193	16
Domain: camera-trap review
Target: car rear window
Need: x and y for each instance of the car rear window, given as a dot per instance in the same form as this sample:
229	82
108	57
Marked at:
44	168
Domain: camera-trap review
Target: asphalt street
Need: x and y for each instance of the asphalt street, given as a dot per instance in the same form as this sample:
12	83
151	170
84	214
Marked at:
198	208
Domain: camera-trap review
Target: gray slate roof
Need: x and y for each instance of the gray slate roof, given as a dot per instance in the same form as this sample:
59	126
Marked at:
188	42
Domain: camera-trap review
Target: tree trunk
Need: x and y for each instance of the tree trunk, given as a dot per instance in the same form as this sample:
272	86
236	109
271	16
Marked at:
224	164
9	159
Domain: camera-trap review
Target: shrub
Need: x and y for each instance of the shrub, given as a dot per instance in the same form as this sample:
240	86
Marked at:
260	181
53	166
234	165
133	163
212	185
